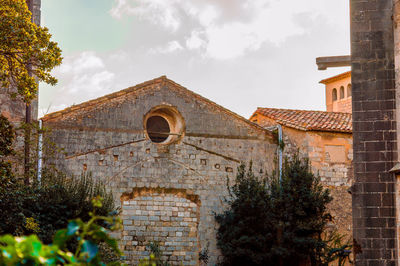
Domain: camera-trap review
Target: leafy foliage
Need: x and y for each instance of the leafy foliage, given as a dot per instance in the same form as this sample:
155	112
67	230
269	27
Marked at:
276	222
155	257
31	251
204	256
7	136
58	200
25	49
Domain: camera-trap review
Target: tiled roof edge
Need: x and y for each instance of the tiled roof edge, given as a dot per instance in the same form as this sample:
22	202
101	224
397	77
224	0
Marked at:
336	78
290	124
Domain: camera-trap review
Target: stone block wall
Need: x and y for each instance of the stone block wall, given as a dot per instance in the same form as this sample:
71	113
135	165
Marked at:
165	218
374	132
198	166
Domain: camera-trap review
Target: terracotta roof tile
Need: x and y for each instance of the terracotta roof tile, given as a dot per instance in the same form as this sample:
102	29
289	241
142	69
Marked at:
309	120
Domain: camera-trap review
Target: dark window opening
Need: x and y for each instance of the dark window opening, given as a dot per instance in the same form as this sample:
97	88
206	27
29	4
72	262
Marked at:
157	129
334	95
349	90
342	92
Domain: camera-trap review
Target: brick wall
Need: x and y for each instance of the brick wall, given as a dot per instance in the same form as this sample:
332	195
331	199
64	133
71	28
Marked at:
342	105
374	131
164	218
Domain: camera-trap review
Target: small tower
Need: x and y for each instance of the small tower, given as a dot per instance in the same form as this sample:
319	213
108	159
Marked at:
338	93
15	110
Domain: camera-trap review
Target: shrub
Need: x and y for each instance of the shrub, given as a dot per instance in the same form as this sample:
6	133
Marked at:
58	200
276	222
31	251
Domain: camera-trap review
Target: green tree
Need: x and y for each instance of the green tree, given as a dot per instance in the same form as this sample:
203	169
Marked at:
27	54
278	222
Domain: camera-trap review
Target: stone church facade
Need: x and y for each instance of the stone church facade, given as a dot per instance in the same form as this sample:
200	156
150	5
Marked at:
166	153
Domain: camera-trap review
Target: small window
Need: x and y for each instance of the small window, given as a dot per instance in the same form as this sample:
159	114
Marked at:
349	90
334	95
157	129
342	92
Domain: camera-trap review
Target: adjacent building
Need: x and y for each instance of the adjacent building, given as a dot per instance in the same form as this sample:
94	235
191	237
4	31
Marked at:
326	139
338	93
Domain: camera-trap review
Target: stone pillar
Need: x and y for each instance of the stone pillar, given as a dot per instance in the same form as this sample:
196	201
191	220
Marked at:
36	14
374	132
396	28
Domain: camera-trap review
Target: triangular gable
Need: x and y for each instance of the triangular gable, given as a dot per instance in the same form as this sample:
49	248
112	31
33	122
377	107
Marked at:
75	112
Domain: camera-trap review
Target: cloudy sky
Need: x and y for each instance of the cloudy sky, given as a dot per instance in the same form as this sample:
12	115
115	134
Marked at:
239	53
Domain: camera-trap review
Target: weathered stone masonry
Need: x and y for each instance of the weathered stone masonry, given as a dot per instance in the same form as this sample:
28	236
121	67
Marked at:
374	132
325	138
168	193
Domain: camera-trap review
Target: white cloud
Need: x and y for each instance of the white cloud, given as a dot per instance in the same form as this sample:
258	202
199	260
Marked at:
259	52
84	76
229	28
82	62
170	47
157	11
196	40
90	83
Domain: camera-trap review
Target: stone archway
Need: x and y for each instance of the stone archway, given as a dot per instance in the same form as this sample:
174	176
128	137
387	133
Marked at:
170	219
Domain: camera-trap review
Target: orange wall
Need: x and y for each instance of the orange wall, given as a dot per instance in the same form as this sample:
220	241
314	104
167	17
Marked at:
340	105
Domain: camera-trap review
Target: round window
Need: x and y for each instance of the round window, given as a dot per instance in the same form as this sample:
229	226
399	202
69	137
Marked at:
157	129
164	125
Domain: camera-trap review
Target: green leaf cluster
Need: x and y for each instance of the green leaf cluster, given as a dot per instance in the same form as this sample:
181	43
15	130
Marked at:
27	54
30	250
276	222
7	136
155	257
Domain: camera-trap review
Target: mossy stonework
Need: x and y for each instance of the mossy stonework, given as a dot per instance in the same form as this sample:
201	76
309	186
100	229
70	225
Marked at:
168	190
